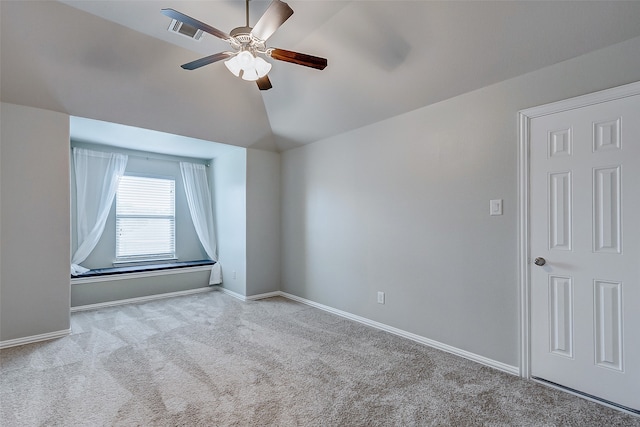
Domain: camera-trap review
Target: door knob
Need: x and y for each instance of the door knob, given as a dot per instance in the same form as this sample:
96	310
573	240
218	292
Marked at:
540	261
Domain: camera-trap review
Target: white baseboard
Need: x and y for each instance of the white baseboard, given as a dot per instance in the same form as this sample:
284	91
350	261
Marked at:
230	293
140	299
249	297
514	370
34	338
263	296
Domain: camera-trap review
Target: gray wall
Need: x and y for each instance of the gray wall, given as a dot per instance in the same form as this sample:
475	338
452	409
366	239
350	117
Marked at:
263	222
402	206
34	220
119	289
247	200
229	173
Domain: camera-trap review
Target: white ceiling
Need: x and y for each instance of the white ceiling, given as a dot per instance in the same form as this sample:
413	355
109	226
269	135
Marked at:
115	61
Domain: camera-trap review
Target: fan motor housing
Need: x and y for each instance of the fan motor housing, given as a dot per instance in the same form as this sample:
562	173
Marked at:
241	38
240	31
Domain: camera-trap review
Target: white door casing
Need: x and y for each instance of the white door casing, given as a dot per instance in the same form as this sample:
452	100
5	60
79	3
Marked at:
580	211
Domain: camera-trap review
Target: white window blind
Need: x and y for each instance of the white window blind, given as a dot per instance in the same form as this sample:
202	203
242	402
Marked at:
145	218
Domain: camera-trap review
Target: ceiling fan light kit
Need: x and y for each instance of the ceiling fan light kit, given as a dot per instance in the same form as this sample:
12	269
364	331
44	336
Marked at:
252	67
248	44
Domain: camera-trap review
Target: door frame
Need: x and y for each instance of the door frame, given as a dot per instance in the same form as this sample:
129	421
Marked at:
524	212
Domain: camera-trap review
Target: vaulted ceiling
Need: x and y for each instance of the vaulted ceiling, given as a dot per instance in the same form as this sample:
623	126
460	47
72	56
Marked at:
115	61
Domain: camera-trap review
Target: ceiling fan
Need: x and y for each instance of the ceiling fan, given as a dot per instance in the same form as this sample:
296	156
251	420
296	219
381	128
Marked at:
249	43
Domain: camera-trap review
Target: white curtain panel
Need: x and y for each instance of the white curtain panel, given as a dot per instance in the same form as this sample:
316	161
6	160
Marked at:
196	187
97	178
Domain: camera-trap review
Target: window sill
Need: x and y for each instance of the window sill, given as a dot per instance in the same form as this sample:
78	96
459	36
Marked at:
117	273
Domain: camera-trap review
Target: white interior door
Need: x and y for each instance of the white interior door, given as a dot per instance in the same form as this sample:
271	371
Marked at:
585	223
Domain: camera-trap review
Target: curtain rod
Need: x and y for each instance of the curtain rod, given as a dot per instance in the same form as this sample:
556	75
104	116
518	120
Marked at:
159	156
147	155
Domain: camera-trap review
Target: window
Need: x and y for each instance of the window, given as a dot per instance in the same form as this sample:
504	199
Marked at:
145	219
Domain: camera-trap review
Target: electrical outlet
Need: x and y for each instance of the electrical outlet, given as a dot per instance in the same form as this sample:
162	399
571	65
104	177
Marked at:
380	297
233	275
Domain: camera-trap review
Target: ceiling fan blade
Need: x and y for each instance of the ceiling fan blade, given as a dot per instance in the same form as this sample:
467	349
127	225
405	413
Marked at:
206	60
174	14
275	15
264	83
298	58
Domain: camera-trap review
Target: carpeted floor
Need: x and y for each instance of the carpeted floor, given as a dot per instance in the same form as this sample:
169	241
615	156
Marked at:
211	360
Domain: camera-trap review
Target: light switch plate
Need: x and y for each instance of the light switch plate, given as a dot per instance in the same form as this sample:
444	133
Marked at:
495	207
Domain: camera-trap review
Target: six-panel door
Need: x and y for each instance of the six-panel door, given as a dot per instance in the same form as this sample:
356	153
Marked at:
585	222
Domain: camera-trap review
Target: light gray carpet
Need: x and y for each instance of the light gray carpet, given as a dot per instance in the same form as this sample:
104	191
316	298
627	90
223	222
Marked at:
211	360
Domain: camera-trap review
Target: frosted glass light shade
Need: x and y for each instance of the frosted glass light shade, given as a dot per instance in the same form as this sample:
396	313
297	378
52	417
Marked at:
262	67
246	60
250	74
233	66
